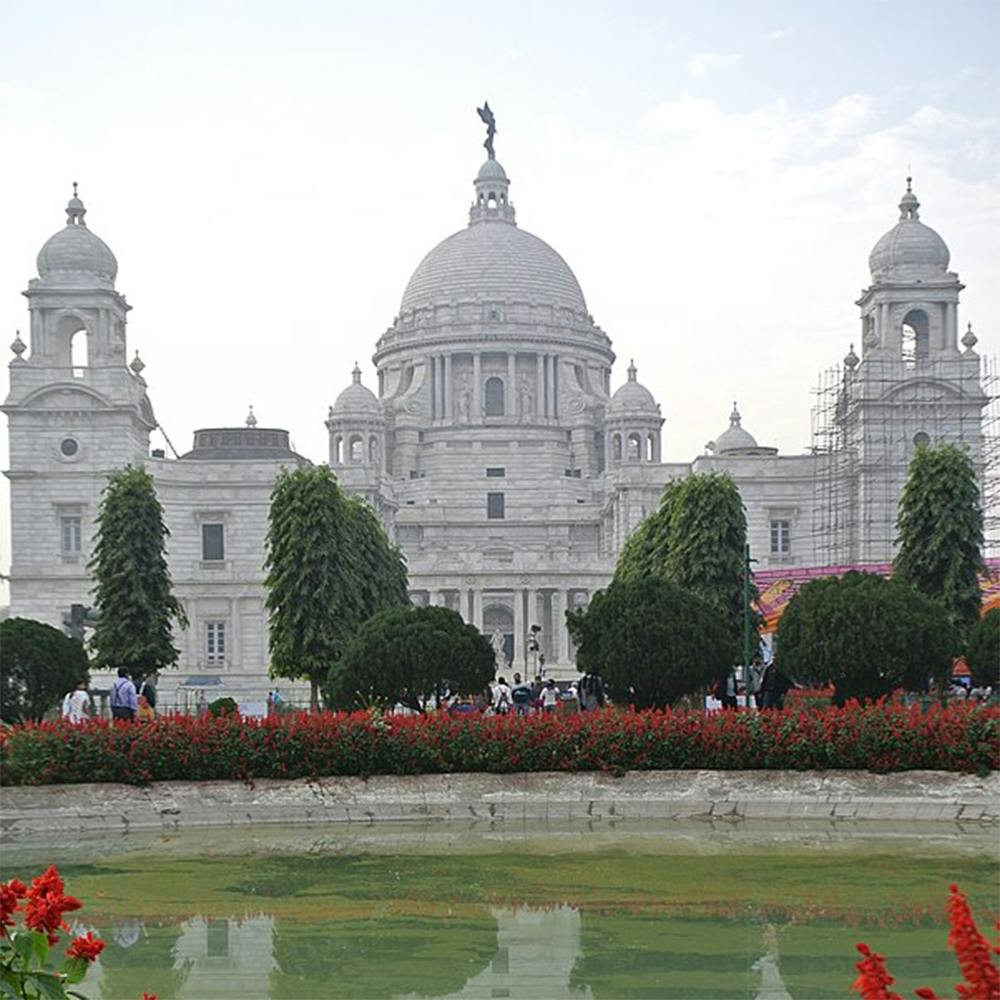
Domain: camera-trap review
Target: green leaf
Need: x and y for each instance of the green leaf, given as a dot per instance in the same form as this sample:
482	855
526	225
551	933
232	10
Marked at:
74	969
10	983
49	985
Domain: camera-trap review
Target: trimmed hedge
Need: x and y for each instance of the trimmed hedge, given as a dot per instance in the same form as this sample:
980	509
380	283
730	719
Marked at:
881	737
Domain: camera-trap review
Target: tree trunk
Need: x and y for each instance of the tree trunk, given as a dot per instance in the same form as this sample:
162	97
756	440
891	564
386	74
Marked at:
313	694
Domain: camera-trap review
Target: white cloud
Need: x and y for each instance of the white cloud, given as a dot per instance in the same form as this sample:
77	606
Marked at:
702	64
779	34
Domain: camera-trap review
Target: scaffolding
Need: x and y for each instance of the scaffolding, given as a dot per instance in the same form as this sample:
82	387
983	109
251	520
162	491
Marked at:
867	418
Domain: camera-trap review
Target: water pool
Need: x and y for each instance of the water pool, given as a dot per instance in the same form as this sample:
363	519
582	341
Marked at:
674	910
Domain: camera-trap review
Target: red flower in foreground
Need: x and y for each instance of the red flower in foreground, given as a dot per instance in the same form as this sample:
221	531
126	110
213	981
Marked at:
10	893
150	996
87	947
982	979
873	980
47	904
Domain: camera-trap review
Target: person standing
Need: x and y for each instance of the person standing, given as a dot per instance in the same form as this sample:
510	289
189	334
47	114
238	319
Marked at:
550	697
501	697
773	687
124	702
147	696
76	704
520	694
591	692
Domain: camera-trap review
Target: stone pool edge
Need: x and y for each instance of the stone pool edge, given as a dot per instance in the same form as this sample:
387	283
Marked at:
925	796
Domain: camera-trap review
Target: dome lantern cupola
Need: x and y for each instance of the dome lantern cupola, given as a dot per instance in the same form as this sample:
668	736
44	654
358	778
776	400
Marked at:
492	202
910	250
74	256
736	440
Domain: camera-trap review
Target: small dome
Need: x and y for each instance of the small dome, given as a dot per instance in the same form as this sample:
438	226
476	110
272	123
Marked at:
492	171
734	438
910	249
75	254
356	398
633	397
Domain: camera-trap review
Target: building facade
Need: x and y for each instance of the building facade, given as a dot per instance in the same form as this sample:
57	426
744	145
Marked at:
494	449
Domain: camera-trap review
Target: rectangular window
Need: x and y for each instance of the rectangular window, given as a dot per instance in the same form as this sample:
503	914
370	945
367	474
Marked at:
213	547
215	642
495	472
781	537
494	506
71	535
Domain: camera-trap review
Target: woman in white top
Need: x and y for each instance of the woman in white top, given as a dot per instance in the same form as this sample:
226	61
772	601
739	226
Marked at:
550	696
76	704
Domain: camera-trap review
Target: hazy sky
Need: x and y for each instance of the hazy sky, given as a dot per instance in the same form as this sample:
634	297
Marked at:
269	175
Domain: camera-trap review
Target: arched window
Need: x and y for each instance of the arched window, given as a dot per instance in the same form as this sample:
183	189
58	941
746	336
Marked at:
491	200
338	451
357	450
616	447
634	447
493	397
916	340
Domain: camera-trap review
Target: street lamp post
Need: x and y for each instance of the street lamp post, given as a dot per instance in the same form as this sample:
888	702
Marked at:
746	622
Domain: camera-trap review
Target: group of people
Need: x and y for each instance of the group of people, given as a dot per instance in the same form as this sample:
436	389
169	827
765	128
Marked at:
523	698
768	686
126	700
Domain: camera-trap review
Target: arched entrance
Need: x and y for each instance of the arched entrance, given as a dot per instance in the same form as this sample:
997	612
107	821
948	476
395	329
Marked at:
500	616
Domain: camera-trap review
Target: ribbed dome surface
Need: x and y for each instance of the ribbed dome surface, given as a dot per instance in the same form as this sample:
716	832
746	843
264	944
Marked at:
734	439
909	249
75	250
493	261
633	397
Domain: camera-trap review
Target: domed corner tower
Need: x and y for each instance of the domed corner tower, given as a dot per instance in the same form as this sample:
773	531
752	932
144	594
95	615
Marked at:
357	429
632	425
75	409
914	383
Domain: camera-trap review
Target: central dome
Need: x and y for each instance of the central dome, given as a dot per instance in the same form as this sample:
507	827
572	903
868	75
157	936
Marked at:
493	261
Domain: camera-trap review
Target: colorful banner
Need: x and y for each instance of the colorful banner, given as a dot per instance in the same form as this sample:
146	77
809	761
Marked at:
778	586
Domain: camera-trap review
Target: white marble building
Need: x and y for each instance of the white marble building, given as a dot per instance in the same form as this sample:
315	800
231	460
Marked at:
494	449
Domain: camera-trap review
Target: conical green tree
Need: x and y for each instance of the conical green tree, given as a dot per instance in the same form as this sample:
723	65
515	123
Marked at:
706	550
645	550
940	526
132	587
329	568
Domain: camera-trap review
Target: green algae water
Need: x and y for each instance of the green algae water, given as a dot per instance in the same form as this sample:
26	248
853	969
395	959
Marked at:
687	911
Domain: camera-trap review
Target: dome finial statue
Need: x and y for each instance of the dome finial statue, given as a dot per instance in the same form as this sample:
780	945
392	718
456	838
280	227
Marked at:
486	116
356	373
251	420
734	417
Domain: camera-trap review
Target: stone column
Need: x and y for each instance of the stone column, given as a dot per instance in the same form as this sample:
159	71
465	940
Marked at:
449	413
235	655
950	332
550	384
477	395
558	626
477	608
540	390
510	403
519	629
432	383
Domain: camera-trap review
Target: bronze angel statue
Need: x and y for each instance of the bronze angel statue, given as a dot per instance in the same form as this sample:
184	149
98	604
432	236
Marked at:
486	116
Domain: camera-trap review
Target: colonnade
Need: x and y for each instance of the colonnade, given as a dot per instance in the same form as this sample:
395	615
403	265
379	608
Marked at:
543	606
441	380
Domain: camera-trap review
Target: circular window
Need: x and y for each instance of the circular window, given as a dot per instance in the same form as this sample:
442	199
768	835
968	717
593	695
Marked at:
921	438
69	447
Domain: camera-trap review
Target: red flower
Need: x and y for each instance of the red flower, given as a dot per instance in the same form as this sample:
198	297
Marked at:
87	947
150	996
873	981
47	904
982	978
10	893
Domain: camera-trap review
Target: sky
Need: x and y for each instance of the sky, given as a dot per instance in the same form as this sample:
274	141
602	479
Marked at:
269	175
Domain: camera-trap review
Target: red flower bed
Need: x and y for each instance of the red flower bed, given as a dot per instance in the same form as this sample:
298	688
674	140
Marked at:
881	737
